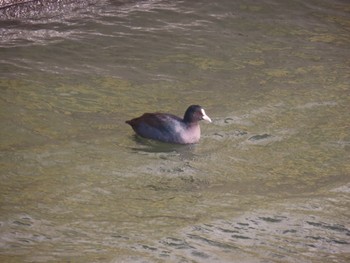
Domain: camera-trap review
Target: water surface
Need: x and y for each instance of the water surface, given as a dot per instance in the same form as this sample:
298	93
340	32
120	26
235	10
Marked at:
269	180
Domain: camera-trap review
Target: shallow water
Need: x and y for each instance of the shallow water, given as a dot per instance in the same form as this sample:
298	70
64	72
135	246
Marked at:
269	180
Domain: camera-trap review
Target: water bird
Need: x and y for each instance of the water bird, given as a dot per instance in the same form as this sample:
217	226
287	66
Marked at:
169	128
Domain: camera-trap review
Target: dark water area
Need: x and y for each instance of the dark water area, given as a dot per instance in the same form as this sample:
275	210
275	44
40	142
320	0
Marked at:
268	181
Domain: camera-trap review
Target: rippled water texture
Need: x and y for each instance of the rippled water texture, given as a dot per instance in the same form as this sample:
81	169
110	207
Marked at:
269	180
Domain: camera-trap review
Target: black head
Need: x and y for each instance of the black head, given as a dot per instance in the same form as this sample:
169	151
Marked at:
195	113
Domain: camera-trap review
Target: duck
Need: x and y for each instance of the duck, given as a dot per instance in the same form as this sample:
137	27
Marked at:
170	128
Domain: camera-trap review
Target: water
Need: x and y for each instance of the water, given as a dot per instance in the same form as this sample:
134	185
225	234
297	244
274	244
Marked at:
269	180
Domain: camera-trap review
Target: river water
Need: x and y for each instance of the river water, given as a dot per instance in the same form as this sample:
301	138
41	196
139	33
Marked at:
269	180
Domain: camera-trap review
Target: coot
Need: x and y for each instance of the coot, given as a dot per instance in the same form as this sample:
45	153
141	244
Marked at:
170	128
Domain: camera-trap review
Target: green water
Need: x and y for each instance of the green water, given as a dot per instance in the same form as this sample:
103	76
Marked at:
269	180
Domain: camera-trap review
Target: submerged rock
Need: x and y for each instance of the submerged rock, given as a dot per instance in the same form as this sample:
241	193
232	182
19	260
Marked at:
15	9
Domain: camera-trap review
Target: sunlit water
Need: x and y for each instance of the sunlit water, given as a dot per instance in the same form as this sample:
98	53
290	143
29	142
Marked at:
269	180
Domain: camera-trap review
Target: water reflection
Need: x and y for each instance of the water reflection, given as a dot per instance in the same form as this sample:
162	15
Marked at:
150	146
